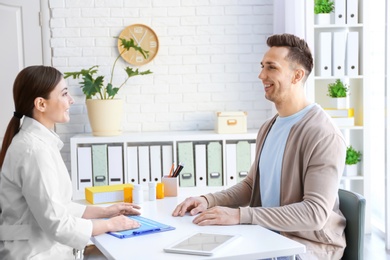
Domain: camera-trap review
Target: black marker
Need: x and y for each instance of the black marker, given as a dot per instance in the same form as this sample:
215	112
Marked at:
178	169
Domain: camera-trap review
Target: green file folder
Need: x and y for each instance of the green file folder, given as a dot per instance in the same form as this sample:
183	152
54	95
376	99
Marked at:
186	156
214	164
99	164
243	159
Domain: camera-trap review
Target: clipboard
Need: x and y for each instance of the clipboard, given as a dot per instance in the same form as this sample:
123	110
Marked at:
148	226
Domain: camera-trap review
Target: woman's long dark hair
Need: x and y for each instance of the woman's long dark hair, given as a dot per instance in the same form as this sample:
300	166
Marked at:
30	83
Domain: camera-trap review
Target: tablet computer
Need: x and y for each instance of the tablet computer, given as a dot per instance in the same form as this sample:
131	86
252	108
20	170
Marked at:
201	244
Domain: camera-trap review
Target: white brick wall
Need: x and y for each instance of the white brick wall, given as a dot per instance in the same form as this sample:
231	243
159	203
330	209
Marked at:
208	61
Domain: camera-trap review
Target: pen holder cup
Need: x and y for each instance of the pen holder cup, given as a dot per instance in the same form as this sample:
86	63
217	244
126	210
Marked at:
171	186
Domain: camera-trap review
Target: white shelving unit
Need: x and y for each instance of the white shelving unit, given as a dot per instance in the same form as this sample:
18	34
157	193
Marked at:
150	139
359	98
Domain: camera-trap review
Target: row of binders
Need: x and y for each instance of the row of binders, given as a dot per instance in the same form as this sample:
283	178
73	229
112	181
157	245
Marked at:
337	54
147	163
99	165
204	163
103	164
346	12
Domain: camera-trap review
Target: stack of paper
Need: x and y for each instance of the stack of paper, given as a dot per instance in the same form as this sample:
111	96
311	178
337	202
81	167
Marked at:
342	117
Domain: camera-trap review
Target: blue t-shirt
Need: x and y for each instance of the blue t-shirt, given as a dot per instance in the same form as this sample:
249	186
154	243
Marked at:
271	156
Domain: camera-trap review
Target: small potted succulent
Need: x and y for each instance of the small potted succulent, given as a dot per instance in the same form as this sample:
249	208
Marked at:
323	10
338	92
104	110
353	157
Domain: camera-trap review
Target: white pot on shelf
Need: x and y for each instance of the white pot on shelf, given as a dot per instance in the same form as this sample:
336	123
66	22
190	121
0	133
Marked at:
351	170
322	19
105	116
338	103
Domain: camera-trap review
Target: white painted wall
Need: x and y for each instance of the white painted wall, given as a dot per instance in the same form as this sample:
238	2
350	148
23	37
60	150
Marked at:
377	85
22	47
208	61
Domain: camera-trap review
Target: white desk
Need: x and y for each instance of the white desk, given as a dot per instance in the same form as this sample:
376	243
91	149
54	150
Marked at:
255	242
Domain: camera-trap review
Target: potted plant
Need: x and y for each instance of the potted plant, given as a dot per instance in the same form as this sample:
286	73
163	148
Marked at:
104	110
338	92
322	10
353	157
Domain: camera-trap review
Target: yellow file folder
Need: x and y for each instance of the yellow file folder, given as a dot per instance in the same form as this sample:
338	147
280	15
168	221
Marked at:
105	194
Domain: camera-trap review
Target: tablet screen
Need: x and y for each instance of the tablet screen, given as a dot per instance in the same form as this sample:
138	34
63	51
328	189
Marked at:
200	244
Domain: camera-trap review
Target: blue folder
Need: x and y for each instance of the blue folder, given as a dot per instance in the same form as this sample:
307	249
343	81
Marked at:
148	226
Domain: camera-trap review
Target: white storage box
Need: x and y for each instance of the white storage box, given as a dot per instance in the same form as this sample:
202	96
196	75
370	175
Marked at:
232	122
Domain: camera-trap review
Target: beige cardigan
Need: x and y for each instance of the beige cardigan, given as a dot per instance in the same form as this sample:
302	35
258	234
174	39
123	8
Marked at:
312	166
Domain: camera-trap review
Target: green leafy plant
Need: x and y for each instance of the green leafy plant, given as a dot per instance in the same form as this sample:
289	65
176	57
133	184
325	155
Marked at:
323	6
337	89
93	86
353	156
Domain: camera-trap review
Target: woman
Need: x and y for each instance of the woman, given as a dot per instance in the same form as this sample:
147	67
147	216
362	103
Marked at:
38	220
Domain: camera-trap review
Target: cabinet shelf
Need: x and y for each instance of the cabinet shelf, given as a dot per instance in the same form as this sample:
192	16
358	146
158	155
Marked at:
338	77
352	178
139	158
356	127
324	41
338	26
354	36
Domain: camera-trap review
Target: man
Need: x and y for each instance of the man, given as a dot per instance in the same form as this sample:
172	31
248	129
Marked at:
292	187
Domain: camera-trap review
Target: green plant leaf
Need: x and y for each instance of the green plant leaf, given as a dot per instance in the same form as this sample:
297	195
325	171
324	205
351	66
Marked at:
128	44
92	70
352	156
323	7
337	89
131	73
111	91
91	86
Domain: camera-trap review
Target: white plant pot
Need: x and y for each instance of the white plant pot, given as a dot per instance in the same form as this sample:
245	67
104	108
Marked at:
322	19
338	103
351	170
105	116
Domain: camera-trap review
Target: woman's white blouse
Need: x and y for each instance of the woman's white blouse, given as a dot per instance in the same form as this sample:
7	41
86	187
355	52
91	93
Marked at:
38	219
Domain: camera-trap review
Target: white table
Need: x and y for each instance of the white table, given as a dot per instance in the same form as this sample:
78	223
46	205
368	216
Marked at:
255	241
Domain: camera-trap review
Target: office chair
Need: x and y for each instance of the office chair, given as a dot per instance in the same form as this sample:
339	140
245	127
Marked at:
352	205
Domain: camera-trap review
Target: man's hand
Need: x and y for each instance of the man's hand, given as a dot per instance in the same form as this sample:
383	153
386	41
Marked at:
193	205
218	216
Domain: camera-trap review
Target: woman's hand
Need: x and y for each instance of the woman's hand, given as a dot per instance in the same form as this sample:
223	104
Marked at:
122	208
119	223
115	213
